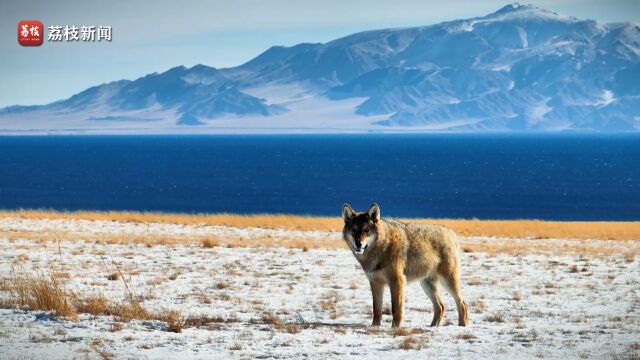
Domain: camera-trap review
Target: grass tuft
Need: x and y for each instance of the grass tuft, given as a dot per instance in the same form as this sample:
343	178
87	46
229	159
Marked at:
41	294
496	317
210	243
113	276
534	229
47	295
222	285
409	343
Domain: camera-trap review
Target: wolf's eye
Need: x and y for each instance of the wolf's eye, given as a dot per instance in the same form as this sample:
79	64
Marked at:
366	230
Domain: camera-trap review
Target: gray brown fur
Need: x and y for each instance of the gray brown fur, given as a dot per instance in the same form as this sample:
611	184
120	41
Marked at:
393	253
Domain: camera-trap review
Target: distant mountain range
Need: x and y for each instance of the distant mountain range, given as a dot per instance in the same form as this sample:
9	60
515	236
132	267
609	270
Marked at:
521	68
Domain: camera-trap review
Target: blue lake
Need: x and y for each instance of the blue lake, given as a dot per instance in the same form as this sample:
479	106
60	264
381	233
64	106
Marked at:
505	176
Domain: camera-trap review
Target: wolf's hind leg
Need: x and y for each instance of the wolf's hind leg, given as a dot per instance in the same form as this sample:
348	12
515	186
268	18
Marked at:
451	281
431	288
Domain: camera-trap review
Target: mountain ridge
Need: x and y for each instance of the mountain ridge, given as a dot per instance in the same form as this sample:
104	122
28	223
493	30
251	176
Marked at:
521	68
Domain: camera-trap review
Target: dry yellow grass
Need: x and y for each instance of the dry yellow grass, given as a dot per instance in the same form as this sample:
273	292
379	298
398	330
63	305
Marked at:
131	310
272	319
40	294
628	249
539	229
274	221
535	231
208	241
47	295
605	230
409	343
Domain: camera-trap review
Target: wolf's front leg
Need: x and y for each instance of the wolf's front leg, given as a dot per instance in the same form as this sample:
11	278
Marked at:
377	291
396	285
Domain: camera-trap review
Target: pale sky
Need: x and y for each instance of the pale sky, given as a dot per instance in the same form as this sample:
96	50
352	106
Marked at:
153	36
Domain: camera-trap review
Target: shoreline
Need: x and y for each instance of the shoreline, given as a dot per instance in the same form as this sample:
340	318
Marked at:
524	228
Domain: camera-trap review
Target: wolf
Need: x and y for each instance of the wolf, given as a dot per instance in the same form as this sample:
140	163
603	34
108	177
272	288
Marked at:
393	253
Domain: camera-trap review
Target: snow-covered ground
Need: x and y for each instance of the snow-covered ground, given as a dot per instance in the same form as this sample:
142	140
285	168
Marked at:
566	305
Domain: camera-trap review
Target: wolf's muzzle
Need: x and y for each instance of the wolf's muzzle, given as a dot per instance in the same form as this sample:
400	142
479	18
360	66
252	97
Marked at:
359	249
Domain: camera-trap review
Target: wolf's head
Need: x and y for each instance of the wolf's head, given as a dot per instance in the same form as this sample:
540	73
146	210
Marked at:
360	229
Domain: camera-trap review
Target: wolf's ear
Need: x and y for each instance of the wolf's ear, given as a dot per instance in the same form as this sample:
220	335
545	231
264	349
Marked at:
374	212
347	213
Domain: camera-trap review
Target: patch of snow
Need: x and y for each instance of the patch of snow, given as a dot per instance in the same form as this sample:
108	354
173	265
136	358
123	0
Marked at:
520	306
606	98
523	37
467	25
503	67
537	112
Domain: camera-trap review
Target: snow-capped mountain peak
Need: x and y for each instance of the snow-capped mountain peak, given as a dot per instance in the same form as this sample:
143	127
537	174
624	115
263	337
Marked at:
519	68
